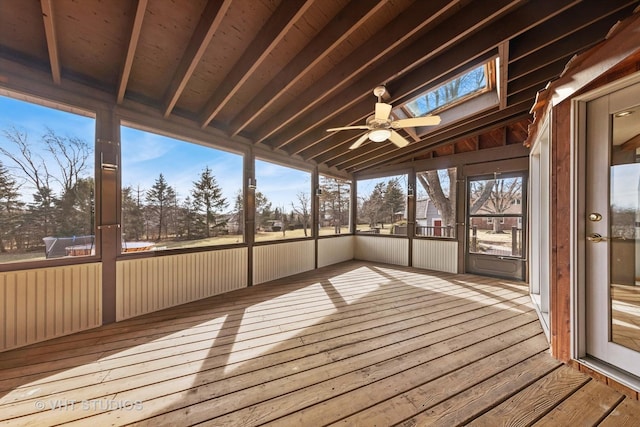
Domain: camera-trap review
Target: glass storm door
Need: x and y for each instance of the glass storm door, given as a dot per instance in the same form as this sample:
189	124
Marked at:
496	243
612	229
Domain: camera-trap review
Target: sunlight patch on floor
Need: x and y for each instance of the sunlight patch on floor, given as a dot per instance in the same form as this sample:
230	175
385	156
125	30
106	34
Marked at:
293	306
344	282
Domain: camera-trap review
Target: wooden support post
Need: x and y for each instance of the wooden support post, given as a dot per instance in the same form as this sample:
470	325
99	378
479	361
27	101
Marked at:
108	209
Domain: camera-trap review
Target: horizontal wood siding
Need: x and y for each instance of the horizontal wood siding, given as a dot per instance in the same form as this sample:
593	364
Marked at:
440	255
40	304
150	284
335	250
274	261
382	249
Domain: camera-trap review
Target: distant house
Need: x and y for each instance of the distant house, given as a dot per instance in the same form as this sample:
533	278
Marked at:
233	223
487	223
428	219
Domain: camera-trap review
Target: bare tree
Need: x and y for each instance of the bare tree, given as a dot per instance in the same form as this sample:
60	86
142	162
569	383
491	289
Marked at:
71	155
445	203
504	193
32	165
302	209
66	170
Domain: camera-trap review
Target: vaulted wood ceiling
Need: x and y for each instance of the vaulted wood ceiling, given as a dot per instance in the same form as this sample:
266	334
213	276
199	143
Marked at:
279	73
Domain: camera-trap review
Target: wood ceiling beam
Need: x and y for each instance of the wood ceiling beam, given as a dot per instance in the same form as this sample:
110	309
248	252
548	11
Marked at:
281	21
574	43
502	77
412	20
357	114
311	145
509	26
540	78
207	26
516	23
566	23
438	70
348	20
430	45
52	40
134	36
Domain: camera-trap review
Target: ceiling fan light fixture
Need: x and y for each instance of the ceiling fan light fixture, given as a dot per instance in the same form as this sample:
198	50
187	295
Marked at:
379	135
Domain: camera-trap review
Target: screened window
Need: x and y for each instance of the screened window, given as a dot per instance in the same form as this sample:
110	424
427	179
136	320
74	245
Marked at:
382	207
495	215
334	204
177	194
283	202
47	182
436	203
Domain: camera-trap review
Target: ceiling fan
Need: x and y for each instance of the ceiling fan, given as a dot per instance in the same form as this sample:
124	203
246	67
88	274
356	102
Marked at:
380	126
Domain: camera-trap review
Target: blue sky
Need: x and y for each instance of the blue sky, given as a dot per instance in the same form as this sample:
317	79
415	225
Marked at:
365	186
145	155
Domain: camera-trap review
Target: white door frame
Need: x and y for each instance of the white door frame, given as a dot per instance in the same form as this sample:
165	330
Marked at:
578	230
540	224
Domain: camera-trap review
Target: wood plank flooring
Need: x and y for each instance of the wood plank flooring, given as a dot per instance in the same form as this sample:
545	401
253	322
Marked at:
355	344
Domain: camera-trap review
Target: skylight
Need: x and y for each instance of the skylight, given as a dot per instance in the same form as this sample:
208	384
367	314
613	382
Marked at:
462	88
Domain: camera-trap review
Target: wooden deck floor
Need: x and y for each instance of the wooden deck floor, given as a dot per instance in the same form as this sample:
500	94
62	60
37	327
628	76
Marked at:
352	344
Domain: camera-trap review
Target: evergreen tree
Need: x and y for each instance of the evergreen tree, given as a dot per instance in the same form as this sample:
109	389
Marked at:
208	200
10	212
75	208
394	199
41	212
263	209
159	198
132	214
239	211
373	207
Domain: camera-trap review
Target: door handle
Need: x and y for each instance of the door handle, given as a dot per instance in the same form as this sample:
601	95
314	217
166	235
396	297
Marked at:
595	238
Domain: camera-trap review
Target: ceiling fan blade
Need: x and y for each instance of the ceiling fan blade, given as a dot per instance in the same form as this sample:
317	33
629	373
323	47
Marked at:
359	142
416	122
348	128
382	111
398	139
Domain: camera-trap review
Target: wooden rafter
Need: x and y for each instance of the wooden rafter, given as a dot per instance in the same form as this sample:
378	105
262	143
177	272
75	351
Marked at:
564	24
134	36
390	37
564	48
209	22
52	43
110	53
268	37
418	52
331	36
502	77
475	52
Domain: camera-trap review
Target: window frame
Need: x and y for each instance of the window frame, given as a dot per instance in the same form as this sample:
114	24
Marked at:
312	201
